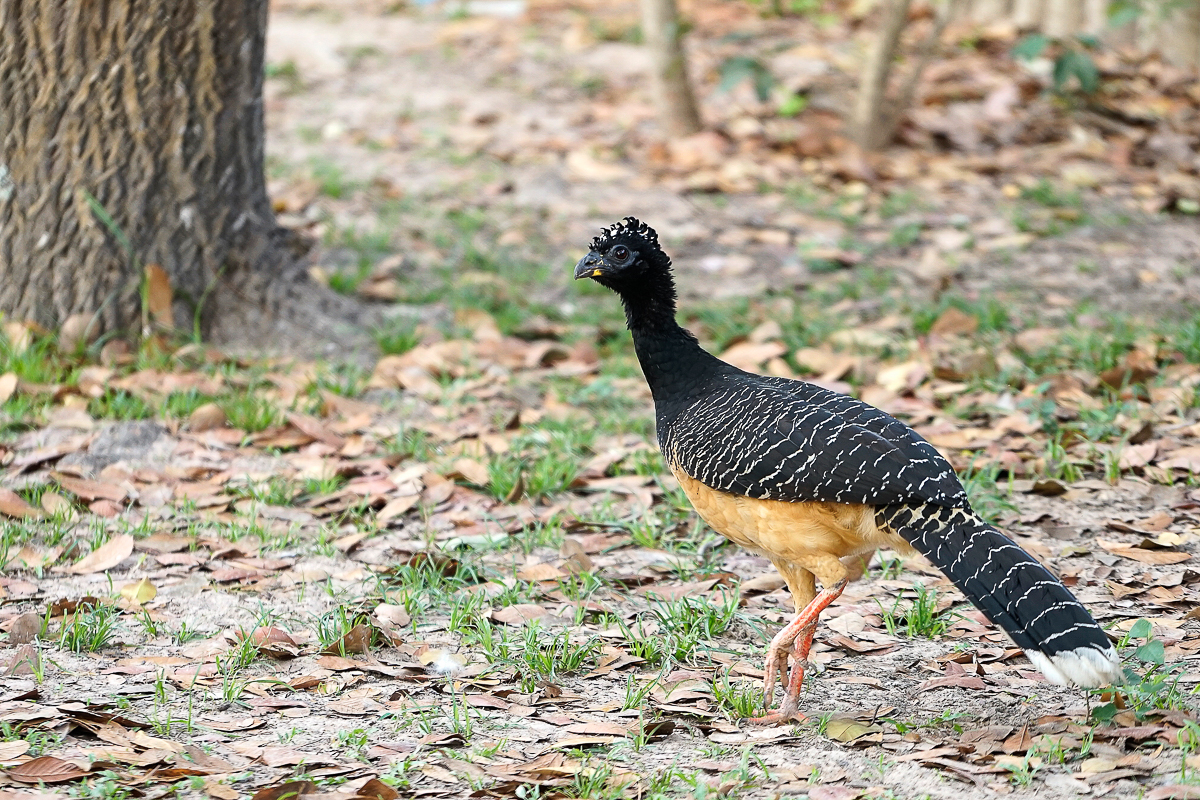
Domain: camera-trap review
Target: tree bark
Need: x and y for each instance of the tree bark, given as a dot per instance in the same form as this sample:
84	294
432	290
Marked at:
672	91
1179	35
867	123
988	11
1027	14
1063	18
133	135
1095	17
1172	29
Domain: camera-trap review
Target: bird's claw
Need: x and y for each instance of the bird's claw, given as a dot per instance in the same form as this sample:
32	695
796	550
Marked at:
791	702
771	676
777	665
789	712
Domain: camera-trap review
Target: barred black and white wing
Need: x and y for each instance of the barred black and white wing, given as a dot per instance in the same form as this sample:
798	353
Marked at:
790	440
1012	590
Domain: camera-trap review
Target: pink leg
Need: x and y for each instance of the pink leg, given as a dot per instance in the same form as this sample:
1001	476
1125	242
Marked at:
798	636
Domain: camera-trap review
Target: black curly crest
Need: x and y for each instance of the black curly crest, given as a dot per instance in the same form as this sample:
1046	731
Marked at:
628	225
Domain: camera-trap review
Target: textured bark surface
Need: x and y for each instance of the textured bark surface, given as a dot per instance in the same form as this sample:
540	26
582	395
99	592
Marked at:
149	114
1062	18
870	130
677	109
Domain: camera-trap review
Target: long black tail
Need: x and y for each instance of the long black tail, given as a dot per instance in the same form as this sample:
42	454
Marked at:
1012	590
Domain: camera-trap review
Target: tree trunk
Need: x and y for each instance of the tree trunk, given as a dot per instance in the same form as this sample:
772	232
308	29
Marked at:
985	11
1179	34
133	135
1027	14
1095	17
672	90
869	112
1170	28
1063	18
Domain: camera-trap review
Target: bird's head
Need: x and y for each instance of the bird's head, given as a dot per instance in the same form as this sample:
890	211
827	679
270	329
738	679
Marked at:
627	258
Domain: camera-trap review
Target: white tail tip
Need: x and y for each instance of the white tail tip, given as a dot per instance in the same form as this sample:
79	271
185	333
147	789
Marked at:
1087	667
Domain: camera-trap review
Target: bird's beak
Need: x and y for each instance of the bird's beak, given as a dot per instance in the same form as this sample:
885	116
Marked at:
590	266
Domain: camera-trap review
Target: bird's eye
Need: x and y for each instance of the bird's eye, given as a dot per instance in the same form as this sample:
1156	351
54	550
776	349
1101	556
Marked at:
620	252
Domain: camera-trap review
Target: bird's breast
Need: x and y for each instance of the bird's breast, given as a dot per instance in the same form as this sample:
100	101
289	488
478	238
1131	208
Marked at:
789	531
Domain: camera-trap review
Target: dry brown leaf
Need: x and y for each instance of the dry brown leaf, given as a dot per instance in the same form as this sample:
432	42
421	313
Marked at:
575	558
834	792
19	335
25	628
540	572
105	557
1019	742
750	356
206	417
921	755
46	769
54	503
91	490
1137	367
954	322
417	379
390	620
830	365
1175	791
148	742
902	378
286	791
13	750
517	491
471	471
762	584
1158	522
1135	553
855	646
376	789
519	614
396	507
1138	455
1049	487
274	642
12	505
26	660
392	614
221	791
1097	764
234	724
356	640
311	426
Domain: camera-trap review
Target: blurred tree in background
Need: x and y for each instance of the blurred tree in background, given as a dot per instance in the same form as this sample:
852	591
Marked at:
1071	27
663	33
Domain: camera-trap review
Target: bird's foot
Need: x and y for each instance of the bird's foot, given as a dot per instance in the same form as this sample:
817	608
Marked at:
777	662
786	642
791	700
788	712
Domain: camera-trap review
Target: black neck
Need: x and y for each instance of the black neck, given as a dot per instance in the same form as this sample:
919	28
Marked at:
669	354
